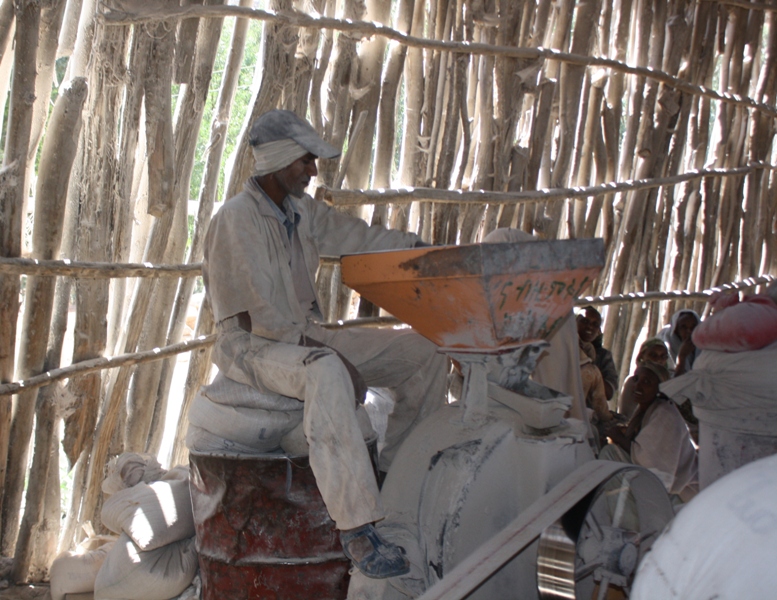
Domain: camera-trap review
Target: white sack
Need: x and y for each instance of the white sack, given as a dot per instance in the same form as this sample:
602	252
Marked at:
179	472
130	468
193	592
733	390
224	390
74	572
153	515
292	443
161	574
722	544
202	441
255	428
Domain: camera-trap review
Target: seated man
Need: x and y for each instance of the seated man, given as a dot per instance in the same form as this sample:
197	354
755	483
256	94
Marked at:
589	328
261	256
656	437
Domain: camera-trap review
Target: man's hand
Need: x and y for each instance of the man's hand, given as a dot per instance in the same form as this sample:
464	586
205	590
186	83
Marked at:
359	385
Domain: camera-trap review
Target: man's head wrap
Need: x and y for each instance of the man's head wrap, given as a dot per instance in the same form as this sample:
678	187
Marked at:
279	137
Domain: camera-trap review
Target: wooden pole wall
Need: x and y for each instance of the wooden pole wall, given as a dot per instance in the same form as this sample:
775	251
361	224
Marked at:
495	95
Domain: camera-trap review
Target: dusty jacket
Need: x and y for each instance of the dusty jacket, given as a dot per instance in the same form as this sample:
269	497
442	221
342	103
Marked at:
247	258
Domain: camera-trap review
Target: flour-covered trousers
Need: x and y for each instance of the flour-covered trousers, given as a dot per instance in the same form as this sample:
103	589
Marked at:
400	360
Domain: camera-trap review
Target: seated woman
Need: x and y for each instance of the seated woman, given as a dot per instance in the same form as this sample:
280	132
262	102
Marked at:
653	351
656	437
677	336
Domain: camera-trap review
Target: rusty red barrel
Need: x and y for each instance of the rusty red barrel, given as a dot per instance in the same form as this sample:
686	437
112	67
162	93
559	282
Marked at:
263	530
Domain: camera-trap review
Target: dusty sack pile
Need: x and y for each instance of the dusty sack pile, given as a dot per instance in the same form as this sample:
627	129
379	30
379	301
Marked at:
154	556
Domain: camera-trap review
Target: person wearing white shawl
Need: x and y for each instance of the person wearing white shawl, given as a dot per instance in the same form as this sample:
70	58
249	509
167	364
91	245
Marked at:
261	256
656	437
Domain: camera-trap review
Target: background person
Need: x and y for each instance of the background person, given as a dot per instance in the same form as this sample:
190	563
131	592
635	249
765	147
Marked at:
677	336
656	437
589	328
653	351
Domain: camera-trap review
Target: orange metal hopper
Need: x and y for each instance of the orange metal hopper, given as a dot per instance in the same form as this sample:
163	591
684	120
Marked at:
480	296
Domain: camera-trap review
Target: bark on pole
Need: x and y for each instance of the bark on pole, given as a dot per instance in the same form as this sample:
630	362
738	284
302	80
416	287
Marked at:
36	489
69	31
278	44
91	196
317	88
145	401
123	192
7	18
57	157
205	206
15	435
367	87
199	370
414	94
7	32
387	117
50	22
160	151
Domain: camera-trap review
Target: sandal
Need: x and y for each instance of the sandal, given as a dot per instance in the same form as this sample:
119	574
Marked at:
372	555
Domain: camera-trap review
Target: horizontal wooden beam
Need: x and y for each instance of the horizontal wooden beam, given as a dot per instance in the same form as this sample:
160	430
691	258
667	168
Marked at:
105	362
746	5
750	282
364	29
93	270
340	197
98	364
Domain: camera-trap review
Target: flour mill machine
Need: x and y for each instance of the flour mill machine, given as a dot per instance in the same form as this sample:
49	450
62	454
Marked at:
499	495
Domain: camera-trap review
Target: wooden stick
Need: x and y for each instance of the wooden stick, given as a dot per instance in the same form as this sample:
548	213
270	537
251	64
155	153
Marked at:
674	295
408	195
105	362
97	364
745	4
100	270
94	270
366	29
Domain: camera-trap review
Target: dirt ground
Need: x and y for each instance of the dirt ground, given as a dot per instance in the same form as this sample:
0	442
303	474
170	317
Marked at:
25	592
19	592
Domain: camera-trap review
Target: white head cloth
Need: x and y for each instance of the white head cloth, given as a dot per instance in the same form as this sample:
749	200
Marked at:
274	156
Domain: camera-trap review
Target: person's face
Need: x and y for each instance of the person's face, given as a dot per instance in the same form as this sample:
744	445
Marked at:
685	326
656	354
645	386
589	326
296	177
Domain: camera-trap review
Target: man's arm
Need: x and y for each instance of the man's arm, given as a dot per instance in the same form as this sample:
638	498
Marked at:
337	233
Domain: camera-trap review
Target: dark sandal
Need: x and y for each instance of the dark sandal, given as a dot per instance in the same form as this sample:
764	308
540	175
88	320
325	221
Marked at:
383	561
